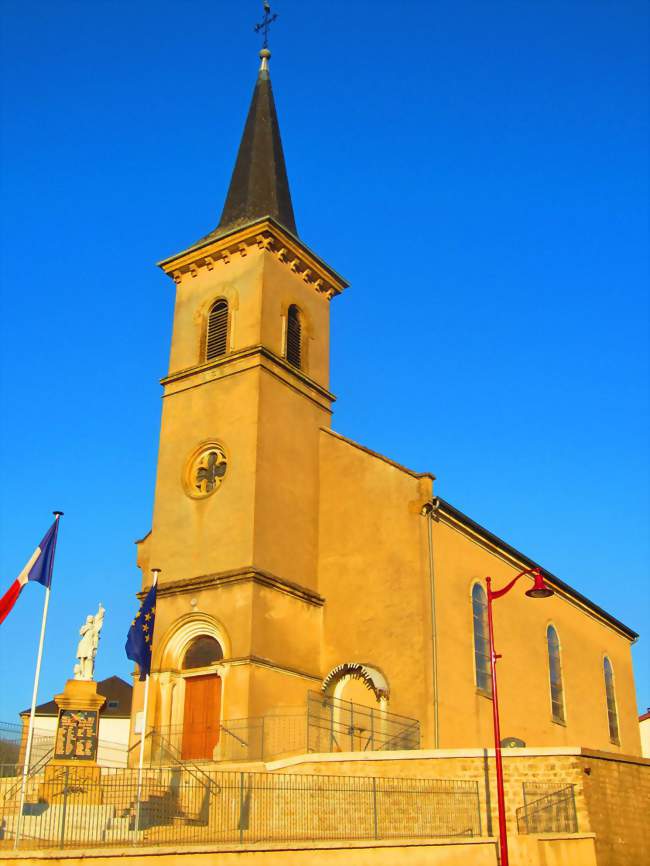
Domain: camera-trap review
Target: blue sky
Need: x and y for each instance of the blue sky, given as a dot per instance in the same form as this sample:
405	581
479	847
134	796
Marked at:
478	172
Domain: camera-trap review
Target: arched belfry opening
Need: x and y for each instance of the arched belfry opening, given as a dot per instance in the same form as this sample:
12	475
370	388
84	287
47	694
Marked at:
216	339
294	350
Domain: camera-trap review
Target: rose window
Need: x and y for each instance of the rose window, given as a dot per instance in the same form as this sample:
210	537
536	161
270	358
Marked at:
206	471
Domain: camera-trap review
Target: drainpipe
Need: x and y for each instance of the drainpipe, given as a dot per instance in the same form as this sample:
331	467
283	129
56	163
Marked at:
430	511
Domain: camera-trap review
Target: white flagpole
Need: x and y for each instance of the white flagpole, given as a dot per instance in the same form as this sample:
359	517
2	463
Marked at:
142	739
32	714
155	572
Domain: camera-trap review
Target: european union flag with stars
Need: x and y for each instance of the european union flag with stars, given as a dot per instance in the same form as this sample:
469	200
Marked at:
140	636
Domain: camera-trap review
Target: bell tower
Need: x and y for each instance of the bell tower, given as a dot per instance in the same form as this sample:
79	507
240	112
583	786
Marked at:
235	518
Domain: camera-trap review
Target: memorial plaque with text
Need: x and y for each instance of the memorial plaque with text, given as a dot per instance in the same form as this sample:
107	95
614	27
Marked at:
76	735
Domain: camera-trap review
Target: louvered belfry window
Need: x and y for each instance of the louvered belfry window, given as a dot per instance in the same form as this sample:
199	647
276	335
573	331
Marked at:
294	336
217	338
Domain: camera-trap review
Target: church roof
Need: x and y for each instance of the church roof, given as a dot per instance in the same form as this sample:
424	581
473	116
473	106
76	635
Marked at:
259	186
117	692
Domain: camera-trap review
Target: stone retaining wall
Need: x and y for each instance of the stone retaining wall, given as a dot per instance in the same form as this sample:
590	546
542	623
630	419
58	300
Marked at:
612	791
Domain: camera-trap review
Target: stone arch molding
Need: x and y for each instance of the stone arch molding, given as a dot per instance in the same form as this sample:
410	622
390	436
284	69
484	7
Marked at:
372	678
181	634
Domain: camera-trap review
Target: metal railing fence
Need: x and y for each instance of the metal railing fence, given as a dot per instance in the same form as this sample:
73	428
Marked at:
335	725
12	742
327	724
555	812
84	807
252	739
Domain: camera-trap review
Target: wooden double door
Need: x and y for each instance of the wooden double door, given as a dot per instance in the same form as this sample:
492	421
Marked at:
201	716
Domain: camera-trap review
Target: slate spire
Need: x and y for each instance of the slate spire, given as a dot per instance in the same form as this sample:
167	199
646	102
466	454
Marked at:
259	185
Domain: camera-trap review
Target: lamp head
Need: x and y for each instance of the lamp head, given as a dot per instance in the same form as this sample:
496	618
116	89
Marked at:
539	588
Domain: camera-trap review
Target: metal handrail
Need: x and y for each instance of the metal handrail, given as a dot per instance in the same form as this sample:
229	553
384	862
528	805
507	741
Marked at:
186	765
414	728
525	813
553	796
38	766
228	731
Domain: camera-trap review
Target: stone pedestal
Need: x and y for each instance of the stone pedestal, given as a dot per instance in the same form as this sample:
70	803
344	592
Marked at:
73	773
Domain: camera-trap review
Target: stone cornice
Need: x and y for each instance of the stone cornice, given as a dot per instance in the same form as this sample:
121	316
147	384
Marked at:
264	235
246	359
267	663
241	660
244	575
456	754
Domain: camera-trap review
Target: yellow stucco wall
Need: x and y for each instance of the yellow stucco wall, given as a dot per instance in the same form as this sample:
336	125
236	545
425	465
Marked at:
520	636
373	572
644	730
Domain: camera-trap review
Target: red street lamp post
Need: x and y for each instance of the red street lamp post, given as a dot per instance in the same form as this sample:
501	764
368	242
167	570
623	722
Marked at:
538	590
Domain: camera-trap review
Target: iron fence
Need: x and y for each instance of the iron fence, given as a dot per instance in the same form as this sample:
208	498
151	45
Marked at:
252	739
92	807
12	743
335	725
554	812
327	724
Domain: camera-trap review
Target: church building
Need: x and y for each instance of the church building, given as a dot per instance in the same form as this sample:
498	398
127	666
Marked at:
305	576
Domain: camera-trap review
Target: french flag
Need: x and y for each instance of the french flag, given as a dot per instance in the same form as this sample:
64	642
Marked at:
38	568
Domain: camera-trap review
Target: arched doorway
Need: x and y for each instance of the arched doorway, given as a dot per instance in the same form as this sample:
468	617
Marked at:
355	700
202	703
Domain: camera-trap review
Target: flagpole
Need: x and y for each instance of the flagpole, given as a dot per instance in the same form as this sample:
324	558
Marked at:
155	572
32	714
142	739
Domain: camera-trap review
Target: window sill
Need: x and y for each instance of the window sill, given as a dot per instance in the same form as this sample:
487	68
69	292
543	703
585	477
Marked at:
483	693
560	722
615	742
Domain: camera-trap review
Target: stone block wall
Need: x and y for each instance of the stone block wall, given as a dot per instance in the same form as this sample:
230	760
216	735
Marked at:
616	793
612	792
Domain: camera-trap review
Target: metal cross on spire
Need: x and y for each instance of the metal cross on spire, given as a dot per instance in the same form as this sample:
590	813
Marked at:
265	23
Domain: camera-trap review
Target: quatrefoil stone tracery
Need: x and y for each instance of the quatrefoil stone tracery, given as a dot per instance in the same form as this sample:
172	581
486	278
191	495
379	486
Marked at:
207	471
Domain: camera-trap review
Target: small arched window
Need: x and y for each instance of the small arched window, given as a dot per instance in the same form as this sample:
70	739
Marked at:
294	336
612	713
202	652
481	640
555	675
216	342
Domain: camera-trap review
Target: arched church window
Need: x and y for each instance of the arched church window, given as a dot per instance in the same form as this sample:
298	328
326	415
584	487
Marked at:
555	674
294	336
216	343
202	652
481	640
612	713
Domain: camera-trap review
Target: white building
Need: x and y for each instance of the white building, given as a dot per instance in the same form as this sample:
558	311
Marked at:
644	725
